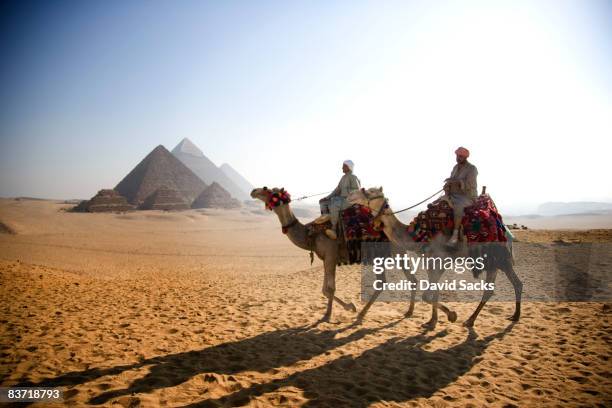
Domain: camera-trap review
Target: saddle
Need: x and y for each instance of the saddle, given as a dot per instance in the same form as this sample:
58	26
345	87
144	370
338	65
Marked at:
355	227
437	219
481	222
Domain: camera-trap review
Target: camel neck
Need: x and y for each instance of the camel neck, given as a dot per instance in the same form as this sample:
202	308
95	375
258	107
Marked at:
395	230
293	228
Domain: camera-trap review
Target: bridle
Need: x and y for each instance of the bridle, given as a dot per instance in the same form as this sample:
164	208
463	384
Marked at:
369	199
276	199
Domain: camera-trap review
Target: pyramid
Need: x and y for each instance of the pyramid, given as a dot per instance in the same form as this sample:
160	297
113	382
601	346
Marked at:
215	196
106	200
165	198
191	156
237	178
159	169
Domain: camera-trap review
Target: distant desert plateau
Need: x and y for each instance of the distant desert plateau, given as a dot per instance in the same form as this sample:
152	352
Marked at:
205	308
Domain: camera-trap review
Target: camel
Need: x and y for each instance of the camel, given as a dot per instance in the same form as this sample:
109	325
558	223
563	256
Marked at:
325	248
498	257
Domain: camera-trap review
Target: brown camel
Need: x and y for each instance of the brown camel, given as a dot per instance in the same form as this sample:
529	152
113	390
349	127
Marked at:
325	248
498	257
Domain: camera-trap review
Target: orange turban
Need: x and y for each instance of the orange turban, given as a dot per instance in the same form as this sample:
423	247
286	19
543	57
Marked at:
462	151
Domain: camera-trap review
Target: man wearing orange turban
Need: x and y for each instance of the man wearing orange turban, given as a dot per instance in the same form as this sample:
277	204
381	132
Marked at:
461	188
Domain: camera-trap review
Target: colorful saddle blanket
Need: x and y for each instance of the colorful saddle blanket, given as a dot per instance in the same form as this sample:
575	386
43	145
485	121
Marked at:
436	219
481	222
358	226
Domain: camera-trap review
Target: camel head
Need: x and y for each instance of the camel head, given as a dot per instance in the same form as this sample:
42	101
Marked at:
272	198
374	199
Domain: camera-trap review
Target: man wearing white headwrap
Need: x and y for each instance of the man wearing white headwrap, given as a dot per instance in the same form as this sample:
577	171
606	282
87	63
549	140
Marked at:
336	200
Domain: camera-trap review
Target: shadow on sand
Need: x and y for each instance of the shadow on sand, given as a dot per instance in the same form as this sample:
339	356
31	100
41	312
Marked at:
397	370
260	353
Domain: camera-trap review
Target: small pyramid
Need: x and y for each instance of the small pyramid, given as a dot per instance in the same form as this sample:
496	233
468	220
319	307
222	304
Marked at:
159	169
165	198
215	196
106	200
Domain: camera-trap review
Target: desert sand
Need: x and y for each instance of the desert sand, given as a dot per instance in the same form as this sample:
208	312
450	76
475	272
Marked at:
215	308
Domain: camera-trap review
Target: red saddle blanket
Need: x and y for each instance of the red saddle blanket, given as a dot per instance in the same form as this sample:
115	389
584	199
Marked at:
358	226
481	222
436	219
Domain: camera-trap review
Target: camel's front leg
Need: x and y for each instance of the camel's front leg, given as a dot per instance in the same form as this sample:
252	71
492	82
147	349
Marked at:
365	309
329	285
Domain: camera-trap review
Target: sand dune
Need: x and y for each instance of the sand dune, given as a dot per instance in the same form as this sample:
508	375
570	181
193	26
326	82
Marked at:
213	308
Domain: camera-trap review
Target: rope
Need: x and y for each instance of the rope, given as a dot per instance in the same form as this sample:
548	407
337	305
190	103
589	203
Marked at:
394	212
314	195
419	203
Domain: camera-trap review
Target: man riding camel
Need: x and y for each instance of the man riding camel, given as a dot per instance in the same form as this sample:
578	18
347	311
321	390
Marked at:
461	188
336	200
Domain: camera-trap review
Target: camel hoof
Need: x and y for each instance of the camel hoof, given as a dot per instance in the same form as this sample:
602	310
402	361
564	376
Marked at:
452	316
409	313
351	307
469	323
325	318
514	318
430	325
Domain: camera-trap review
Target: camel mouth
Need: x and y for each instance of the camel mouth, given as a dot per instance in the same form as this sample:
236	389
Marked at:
254	193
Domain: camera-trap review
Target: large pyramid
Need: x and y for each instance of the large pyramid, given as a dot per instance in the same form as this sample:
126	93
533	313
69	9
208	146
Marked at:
159	169
215	196
237	178
192	157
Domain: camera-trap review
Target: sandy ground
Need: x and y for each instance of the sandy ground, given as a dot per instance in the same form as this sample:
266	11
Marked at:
213	308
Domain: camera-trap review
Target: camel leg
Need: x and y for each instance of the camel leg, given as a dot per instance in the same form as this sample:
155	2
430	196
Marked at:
349	306
486	295
365	309
433	277
518	290
329	285
411	278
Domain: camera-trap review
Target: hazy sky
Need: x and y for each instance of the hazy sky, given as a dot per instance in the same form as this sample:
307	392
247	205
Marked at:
284	91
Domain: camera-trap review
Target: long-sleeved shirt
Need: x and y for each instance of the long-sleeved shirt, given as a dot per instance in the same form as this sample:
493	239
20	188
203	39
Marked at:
466	174
349	182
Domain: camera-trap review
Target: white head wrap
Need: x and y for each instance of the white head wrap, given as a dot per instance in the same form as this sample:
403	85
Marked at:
350	164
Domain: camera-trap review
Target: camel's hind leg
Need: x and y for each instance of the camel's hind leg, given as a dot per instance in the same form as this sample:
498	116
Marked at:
412	279
518	290
433	277
486	295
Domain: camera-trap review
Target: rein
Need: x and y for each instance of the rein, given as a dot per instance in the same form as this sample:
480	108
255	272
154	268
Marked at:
419	203
308	196
385	203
